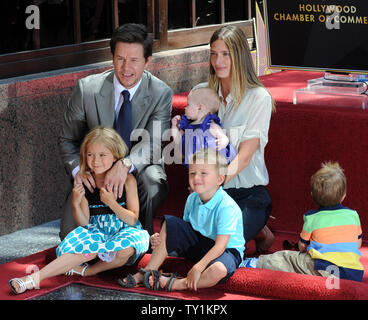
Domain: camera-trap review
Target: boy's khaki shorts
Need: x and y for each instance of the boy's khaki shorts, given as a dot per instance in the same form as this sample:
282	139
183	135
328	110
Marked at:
290	261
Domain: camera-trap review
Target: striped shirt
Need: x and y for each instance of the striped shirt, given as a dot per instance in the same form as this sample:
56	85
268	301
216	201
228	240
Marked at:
332	235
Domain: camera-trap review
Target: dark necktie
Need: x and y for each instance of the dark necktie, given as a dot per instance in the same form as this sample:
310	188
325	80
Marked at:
124	122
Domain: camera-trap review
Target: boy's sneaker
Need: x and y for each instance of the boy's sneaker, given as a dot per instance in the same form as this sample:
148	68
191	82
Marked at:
249	263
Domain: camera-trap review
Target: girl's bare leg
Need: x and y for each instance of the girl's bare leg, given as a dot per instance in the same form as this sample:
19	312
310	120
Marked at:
58	266
121	259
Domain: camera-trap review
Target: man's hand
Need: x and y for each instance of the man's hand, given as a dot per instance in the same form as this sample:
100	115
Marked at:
175	131
115	179
175	122
86	179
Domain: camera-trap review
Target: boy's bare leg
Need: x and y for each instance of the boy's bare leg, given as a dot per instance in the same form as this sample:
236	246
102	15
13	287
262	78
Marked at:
158	256
210	277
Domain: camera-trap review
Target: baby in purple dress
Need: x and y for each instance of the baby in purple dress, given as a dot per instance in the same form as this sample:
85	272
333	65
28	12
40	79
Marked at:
200	127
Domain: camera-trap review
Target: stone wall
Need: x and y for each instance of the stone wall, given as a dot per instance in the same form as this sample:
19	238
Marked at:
33	182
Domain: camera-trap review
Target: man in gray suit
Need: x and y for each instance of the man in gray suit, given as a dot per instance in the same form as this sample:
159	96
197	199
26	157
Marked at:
97	99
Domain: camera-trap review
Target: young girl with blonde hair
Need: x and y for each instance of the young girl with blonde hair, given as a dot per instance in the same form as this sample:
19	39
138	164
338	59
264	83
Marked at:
108	228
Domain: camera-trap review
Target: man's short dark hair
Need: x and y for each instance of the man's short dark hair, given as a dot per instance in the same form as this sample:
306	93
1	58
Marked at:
132	33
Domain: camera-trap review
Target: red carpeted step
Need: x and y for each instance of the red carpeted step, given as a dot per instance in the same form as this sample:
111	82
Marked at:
244	284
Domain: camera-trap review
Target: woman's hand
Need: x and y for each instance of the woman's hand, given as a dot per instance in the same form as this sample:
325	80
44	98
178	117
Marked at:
246	151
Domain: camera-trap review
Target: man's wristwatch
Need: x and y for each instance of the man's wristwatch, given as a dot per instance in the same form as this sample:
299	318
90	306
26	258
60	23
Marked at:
126	163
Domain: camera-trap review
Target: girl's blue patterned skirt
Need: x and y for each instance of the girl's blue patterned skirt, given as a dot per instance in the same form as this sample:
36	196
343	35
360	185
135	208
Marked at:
105	235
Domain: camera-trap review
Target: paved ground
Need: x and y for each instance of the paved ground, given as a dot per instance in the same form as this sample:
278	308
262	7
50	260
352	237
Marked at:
28	241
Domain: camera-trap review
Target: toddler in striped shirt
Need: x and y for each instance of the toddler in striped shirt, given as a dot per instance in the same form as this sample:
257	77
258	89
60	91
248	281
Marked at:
331	235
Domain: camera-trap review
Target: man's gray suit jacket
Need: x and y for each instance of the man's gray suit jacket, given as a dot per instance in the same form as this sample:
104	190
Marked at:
92	103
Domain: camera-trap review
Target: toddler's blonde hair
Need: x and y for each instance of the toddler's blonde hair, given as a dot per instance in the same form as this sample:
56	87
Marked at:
328	185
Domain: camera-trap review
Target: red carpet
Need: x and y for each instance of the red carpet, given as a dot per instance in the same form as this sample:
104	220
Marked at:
300	138
106	280
245	283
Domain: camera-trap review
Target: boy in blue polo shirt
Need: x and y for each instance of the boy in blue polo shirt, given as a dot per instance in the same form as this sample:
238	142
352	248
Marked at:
210	233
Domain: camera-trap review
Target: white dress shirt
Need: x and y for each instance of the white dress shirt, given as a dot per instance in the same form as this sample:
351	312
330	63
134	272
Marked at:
118	89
